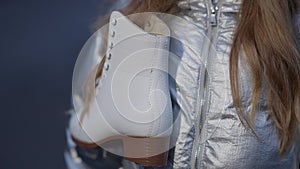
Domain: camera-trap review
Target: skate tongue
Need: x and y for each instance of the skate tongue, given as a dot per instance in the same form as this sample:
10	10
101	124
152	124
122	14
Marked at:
142	23
155	25
124	26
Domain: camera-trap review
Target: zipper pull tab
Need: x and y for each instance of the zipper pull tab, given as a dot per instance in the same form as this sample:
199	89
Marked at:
213	15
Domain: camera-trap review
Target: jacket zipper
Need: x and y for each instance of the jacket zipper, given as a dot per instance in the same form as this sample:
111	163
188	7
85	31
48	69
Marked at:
213	13
197	152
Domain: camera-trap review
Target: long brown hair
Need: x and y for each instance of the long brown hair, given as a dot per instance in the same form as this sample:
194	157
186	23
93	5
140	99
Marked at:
266	33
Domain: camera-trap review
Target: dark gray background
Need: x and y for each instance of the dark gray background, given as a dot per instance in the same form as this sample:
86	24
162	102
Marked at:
40	41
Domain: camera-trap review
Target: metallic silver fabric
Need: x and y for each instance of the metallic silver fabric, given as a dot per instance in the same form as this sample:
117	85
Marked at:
210	134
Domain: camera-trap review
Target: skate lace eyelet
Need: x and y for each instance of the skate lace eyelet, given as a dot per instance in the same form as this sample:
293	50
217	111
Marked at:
113	34
109	56
106	66
114	22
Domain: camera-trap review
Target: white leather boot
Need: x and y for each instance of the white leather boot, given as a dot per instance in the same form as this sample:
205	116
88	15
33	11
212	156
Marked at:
132	101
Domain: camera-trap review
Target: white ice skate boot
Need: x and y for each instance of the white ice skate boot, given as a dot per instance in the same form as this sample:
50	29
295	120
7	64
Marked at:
132	100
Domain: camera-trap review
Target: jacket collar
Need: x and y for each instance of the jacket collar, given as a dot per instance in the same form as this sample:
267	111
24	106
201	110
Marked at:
225	5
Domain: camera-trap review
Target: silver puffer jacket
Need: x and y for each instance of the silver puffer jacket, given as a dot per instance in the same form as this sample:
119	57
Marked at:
211	134
208	132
